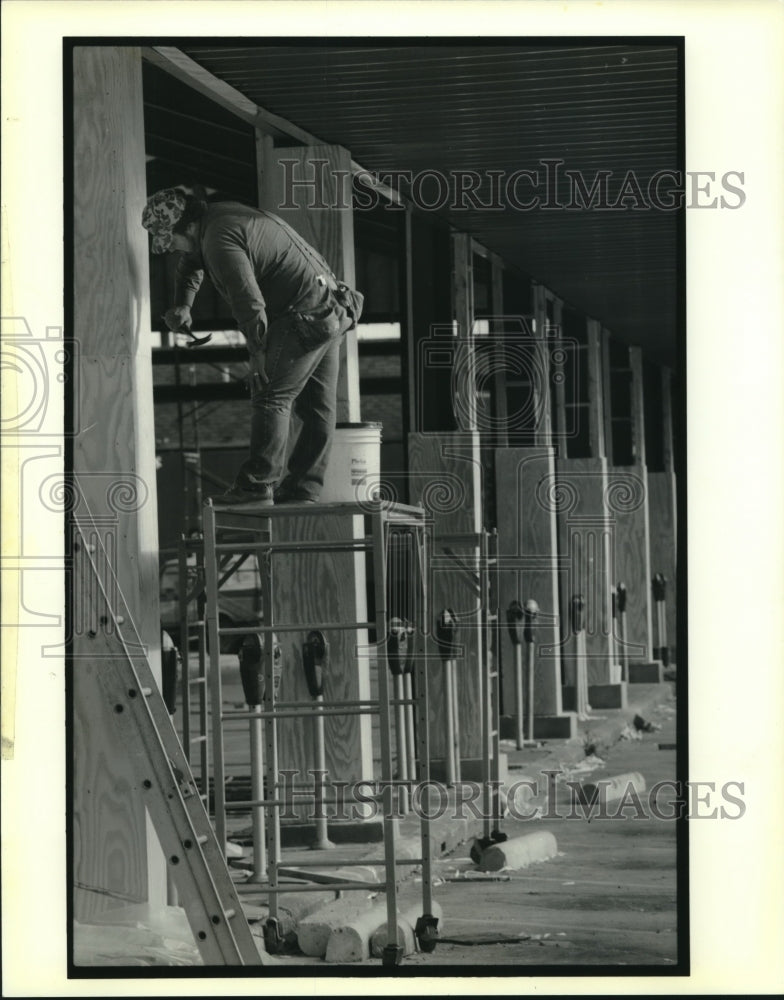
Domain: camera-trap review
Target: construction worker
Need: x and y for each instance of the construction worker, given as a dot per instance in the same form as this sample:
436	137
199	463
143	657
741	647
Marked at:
293	313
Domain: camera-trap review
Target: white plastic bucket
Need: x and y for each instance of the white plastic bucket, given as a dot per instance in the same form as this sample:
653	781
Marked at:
354	470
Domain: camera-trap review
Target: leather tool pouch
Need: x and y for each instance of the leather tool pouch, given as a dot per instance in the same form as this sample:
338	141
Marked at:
336	316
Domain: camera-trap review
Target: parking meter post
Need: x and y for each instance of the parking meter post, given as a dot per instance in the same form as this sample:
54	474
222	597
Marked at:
315	659
660	598
397	650
578	625
408	693
515	617
446	627
531	611
251	675
620	604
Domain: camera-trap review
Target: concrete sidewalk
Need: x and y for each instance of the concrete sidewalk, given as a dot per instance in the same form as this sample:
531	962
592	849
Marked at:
457	824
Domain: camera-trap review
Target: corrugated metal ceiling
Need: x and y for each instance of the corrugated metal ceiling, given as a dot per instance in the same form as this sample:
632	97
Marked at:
503	108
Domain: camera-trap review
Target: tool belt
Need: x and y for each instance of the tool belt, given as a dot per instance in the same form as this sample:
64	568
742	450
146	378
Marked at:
350	300
338	314
346	302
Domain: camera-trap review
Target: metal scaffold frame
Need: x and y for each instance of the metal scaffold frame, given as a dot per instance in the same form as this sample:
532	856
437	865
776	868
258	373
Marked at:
246	529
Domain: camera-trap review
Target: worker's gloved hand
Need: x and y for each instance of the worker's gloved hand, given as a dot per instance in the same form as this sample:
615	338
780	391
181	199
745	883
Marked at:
178	318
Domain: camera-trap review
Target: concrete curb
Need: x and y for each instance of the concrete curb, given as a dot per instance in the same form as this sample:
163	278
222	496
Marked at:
610	789
314	931
354	942
409	914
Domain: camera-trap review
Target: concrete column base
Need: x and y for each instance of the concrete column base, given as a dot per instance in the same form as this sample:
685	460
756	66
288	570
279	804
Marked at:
599	696
646	672
471	768
546	727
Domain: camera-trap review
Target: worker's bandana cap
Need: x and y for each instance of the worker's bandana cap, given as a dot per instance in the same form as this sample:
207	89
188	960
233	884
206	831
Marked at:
161	214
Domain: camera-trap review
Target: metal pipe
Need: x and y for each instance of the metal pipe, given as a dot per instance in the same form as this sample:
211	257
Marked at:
321	627
446	632
456	721
274	547
449	702
216	695
380	593
257	792
410	735
300	715
401	742
519	707
315	661
514	620
321	841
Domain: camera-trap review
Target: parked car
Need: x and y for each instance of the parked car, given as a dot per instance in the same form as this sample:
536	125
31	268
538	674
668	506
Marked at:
239	597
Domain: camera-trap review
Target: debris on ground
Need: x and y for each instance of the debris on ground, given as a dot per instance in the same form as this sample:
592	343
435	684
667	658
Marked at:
139	934
471	876
480	939
642	725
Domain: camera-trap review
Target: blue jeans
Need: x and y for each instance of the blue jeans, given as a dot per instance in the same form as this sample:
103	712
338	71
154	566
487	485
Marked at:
302	368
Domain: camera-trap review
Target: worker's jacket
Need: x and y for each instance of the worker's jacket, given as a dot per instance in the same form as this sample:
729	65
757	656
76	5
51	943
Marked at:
265	270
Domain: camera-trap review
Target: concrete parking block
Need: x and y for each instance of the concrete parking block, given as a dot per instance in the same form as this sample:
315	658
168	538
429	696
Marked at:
519	852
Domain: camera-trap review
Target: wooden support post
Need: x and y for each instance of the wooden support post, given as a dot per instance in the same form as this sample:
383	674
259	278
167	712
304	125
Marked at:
597	439
607	398
408	325
117	859
543	432
554	327
501	431
528	545
628	508
432	332
586	537
464	381
310	188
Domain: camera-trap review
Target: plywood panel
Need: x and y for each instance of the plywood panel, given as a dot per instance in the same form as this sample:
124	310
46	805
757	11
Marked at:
114	459
585	541
527	532
445	477
109	814
320	587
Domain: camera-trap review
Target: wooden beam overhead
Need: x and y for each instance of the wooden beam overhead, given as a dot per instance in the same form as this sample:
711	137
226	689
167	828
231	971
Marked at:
187	70
181	66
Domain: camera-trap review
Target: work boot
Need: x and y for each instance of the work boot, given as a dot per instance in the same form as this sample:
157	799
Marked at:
260	495
284	495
